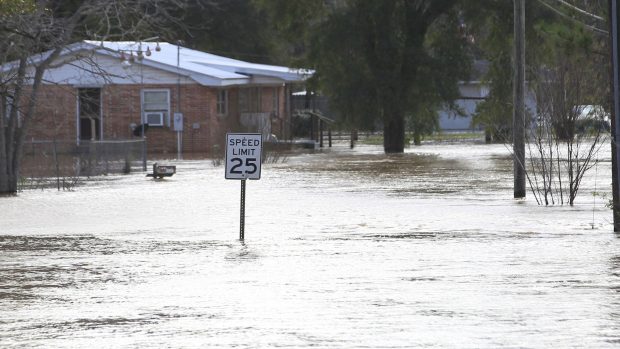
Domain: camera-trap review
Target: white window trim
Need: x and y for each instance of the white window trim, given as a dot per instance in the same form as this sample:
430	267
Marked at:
166	117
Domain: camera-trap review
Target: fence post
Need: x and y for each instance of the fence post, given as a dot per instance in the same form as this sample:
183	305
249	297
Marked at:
143	154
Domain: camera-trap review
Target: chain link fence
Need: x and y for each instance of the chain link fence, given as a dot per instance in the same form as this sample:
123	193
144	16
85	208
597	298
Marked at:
63	164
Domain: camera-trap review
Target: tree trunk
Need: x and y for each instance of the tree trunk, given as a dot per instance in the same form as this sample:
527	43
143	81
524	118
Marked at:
4	184
394	134
8	158
417	138
15	136
488	136
4	177
8	183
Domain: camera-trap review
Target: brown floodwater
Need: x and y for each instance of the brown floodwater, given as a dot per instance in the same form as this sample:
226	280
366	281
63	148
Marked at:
343	249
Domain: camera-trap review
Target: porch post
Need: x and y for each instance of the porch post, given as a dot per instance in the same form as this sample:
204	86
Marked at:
320	133
329	136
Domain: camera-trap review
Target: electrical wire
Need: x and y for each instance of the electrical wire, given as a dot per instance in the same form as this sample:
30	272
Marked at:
584	12
590	27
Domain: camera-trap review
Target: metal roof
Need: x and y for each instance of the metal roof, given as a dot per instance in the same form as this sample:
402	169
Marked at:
203	67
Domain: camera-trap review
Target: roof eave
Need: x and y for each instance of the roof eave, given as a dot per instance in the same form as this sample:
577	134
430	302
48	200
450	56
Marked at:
210	81
40	57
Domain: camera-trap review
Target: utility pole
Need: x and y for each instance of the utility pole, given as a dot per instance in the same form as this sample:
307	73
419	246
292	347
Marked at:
615	110
518	119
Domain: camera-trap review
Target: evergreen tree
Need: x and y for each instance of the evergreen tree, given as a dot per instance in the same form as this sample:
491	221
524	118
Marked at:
379	61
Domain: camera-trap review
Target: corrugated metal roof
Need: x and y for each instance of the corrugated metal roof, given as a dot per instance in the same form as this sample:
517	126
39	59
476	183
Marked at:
203	67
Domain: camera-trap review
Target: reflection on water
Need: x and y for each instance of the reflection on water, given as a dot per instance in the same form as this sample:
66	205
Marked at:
344	248
241	253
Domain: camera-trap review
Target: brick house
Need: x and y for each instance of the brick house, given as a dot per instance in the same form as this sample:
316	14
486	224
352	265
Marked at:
107	90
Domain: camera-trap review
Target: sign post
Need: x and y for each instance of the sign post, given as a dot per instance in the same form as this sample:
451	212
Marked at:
243	161
178	127
242	216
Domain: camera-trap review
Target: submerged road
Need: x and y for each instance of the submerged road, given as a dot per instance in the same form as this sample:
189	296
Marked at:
343	249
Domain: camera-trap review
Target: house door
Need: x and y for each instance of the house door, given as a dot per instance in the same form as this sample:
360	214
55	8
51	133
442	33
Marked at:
89	112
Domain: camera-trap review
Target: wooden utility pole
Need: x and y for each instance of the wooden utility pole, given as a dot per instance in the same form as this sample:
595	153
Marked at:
615	110
518	119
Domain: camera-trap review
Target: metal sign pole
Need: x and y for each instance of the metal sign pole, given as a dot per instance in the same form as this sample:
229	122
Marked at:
178	127
179	154
242	220
243	161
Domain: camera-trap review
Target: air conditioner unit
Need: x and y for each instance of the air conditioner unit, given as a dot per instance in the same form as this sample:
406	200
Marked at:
154	118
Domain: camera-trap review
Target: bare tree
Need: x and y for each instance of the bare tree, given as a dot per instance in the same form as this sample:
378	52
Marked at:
569	131
34	34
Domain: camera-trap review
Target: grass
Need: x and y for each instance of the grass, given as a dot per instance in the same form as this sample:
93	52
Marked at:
453	136
438	137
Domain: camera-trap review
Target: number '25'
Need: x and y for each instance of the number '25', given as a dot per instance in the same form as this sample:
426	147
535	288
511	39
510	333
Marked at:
238	162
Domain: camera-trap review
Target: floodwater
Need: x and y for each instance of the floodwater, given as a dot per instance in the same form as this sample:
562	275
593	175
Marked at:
343	249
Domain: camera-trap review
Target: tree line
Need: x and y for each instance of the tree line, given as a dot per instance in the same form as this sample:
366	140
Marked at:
384	65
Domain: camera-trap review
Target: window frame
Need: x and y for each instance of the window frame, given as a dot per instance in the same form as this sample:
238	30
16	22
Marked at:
164	112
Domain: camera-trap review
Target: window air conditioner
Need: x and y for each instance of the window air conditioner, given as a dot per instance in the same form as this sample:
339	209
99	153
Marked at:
154	118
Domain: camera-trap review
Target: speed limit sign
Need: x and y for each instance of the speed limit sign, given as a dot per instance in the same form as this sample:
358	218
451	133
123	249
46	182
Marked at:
243	155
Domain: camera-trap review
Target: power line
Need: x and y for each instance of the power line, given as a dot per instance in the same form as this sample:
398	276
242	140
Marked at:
581	10
592	28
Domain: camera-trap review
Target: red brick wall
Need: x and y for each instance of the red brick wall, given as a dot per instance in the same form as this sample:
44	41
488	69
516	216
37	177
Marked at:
121	105
55	115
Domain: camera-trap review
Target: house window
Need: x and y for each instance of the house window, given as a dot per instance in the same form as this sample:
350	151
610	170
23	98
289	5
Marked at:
222	102
156	107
